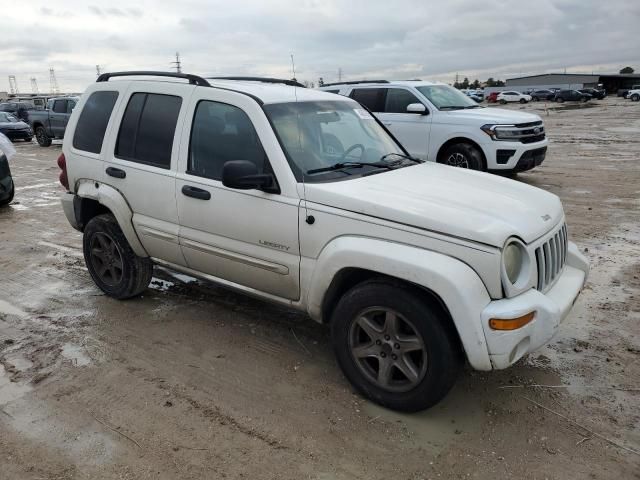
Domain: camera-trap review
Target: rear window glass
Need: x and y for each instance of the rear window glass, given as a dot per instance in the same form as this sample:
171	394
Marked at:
93	121
147	129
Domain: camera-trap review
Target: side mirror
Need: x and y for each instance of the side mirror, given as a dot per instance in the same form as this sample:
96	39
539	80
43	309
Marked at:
417	108
243	175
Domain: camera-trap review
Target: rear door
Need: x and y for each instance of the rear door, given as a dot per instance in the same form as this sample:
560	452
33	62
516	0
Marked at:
248	238
58	117
141	161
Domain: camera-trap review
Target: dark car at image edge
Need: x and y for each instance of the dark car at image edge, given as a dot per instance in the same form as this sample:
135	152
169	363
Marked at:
14	129
6	182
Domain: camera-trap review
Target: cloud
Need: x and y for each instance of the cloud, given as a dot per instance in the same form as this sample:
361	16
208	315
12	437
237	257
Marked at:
363	38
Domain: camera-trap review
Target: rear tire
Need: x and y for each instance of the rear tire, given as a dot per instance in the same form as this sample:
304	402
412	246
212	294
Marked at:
42	137
462	155
28	140
522	100
503	102
9	199
559	99
394	347
535	99
113	265
635	97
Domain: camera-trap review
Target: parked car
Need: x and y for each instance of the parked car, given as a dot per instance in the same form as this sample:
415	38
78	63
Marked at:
512	96
571	96
7	188
52	122
634	95
477	95
539	95
594	92
436	122
624	92
13	128
492	97
17	109
303	198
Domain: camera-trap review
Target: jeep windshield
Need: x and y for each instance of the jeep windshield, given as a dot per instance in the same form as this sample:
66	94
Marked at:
329	140
445	97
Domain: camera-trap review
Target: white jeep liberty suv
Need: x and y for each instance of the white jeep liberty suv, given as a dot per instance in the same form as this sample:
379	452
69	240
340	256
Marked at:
303	198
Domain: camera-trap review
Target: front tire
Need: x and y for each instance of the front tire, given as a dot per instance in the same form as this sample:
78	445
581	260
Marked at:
463	155
535	99
113	265
394	347
42	137
522	100
503	102
635	97
559	99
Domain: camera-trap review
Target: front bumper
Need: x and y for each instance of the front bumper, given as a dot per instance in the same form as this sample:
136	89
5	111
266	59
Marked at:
18	134
514	156
551	307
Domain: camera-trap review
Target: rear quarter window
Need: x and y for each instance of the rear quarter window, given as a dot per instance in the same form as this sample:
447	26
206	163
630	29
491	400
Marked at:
93	121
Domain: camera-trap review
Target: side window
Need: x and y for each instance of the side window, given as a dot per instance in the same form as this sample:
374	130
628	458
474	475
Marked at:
71	104
332	91
398	99
60	106
372	98
147	129
221	133
93	121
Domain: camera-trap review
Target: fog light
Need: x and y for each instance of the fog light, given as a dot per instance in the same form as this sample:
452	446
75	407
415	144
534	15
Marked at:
511	323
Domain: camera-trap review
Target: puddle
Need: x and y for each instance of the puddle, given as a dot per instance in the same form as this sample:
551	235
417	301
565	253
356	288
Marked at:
76	354
435	428
160	285
10	391
7	308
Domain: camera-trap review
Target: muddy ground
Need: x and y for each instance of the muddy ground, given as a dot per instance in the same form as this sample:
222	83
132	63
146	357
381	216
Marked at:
194	381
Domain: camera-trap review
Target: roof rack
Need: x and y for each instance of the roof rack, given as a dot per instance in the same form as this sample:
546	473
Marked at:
291	83
193	79
355	82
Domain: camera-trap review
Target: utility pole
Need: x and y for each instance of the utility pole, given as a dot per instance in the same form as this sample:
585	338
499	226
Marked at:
53	82
177	64
340	74
13	84
34	85
293	68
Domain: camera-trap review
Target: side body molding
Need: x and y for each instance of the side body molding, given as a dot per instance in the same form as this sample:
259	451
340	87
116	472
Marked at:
114	201
457	285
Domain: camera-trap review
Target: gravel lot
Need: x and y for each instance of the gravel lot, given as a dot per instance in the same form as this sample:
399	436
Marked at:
194	381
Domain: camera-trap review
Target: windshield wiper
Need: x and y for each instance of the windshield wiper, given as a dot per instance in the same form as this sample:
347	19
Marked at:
341	165
453	107
401	155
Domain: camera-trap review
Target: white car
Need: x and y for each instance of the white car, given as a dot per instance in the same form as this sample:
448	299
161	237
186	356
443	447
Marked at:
436	122
302	198
634	95
513	97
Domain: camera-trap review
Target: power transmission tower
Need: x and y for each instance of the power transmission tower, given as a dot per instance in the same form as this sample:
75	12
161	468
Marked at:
53	82
34	85
13	85
177	64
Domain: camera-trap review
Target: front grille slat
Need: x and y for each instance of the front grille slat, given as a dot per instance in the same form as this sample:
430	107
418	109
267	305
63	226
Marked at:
551	257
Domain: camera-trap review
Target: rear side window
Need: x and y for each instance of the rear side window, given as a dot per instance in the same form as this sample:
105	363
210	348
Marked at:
60	106
398	100
147	129
93	121
221	133
372	98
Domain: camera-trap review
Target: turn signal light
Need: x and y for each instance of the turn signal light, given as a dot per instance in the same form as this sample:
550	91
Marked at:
511	323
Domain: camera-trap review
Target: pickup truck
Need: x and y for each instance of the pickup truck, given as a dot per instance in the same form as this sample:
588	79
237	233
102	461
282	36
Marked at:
52	122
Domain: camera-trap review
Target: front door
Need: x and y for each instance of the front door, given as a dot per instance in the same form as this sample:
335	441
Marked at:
58	117
247	238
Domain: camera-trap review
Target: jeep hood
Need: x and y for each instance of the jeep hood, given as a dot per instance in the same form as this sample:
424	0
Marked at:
473	205
492	115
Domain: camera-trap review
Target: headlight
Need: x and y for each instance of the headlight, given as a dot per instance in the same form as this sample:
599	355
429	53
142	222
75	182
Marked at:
512	132
513	259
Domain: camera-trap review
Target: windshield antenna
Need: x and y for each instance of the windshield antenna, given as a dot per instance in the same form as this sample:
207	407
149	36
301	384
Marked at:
309	218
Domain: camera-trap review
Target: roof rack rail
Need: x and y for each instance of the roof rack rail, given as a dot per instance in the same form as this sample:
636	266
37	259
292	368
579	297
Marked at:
291	83
354	82
193	79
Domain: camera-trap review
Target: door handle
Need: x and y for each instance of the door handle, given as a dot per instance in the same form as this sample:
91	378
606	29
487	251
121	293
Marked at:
196	192
116	172
386	124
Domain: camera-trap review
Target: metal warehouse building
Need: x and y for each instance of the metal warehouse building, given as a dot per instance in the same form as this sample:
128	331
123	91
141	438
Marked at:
611	82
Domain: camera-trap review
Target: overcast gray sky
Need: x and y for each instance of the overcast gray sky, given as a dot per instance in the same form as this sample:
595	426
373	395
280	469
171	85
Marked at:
395	39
